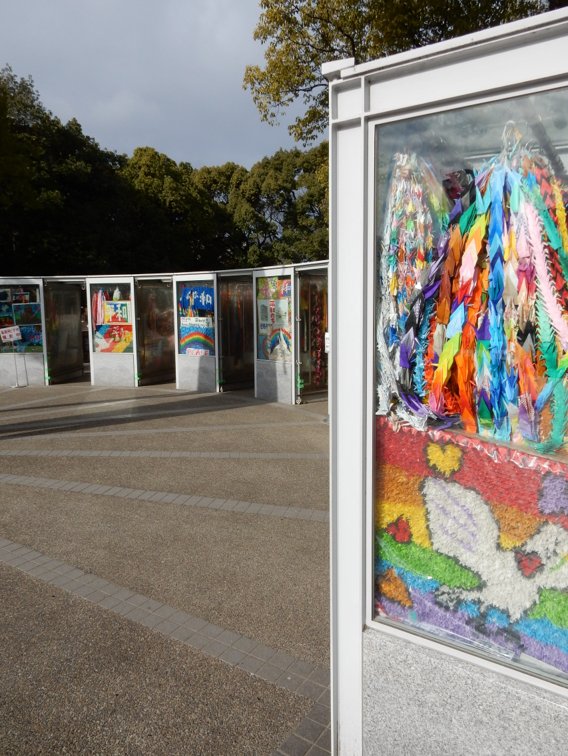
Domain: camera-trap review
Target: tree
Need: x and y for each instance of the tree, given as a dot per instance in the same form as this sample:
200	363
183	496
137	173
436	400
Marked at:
223	238
174	210
307	238
69	207
20	110
300	35
280	207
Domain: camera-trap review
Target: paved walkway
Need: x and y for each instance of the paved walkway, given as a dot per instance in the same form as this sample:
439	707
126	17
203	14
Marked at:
164	573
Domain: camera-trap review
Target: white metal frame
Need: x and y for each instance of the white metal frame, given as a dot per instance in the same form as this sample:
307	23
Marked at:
112	280
518	58
228	274
300	268
163	278
195	278
283	270
22	281
81	280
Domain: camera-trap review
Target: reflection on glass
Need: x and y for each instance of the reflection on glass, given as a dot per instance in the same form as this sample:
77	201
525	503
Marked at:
64	338
472	393
312	326
236	324
111	317
274	318
155	331
196	314
20	319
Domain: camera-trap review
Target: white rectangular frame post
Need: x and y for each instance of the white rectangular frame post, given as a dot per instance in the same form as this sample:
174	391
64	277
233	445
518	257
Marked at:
207	277
112	280
283	270
15	356
348	410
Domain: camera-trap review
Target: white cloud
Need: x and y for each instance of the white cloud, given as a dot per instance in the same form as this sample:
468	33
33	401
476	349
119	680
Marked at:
164	73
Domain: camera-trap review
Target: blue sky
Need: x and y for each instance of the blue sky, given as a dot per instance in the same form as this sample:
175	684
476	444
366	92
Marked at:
162	73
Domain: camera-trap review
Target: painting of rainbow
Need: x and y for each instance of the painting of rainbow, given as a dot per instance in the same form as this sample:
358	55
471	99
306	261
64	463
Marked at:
276	345
197	340
471	543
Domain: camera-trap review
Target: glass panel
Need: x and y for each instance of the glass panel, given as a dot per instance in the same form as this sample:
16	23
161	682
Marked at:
472	394
155	331
20	319
312	329
236	324
64	337
196	314
111	317
274	318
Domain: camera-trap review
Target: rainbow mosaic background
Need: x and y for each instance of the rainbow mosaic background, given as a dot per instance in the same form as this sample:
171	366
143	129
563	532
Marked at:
196	337
472	543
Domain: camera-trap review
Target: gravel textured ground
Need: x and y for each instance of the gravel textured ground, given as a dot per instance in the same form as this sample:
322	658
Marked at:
77	678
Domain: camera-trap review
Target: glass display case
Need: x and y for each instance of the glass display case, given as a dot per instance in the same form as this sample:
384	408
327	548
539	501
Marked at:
112	331
274	376
111	317
155	331
196	332
471	539
65	317
236	331
274	318
20	311
196	318
449	392
312	328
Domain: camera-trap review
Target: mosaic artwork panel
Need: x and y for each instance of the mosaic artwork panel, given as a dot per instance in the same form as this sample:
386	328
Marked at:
471	547
113	338
275	344
472	378
27	314
274	318
197	336
32	339
6	315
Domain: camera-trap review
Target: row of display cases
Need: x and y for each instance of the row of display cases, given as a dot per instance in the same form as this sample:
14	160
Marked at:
206	331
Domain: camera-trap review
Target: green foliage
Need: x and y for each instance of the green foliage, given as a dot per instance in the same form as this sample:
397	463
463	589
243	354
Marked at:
69	207
300	35
225	240
280	206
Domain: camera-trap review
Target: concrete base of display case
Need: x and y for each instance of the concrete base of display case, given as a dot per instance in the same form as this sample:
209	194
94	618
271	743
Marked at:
22	370
113	369
196	373
274	381
420	700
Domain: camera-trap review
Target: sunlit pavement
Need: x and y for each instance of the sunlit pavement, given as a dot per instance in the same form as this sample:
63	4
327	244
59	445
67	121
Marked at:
164	572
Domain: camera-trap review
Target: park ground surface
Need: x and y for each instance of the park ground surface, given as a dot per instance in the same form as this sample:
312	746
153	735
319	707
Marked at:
163	573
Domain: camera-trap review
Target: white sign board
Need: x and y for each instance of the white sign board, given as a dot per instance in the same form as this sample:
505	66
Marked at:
12	333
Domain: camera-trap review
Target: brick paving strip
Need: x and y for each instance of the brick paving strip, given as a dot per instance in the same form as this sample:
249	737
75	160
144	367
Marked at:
161	454
166	497
312	736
